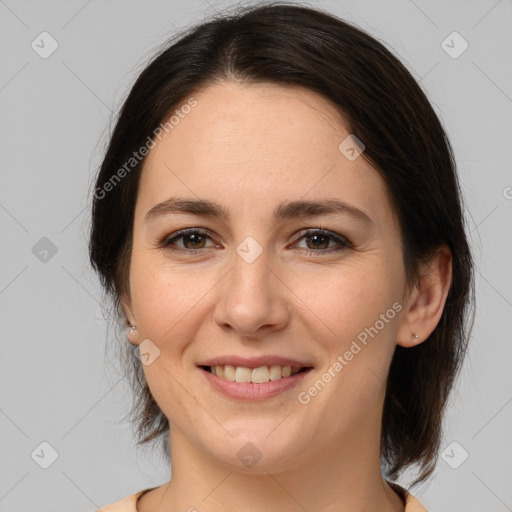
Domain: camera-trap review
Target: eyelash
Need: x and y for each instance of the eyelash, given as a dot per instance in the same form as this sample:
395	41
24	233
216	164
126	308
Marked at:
167	241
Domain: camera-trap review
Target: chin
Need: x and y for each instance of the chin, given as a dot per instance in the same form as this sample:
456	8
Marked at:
257	451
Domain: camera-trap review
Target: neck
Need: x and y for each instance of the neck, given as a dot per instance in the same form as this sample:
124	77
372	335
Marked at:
340	478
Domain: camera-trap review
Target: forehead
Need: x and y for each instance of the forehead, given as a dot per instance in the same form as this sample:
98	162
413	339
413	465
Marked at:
259	144
253	122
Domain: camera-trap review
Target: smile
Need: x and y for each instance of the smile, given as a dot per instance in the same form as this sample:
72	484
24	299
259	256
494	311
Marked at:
253	384
258	375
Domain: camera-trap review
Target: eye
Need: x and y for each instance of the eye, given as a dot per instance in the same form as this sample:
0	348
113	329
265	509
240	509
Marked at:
193	239
320	240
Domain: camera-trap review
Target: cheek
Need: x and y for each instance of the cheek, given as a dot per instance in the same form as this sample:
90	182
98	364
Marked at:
163	297
350	303
359	343
346	300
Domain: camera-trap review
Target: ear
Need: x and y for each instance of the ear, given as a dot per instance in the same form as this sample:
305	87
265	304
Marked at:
133	336
126	304
425	304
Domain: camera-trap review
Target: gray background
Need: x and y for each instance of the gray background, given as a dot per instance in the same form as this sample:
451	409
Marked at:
56	384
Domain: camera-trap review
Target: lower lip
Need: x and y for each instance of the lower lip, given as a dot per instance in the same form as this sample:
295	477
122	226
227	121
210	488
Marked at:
250	390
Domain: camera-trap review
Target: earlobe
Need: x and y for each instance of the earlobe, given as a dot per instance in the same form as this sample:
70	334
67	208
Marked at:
131	332
132	335
426	302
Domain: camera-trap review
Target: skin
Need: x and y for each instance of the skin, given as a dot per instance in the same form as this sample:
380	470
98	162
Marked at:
250	147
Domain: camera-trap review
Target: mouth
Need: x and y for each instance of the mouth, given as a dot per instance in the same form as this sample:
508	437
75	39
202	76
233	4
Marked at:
253	384
258	375
253	379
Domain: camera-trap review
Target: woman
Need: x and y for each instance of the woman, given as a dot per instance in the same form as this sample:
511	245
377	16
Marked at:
278	221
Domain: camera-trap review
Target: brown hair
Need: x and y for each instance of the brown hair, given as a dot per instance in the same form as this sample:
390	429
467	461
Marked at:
404	139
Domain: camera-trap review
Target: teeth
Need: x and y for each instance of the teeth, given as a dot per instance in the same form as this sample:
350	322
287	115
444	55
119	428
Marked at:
229	372
276	372
258	375
242	374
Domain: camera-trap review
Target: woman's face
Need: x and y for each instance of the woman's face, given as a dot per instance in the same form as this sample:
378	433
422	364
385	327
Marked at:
253	286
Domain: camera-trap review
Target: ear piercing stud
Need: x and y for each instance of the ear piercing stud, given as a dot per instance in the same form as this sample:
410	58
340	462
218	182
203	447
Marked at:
130	332
414	336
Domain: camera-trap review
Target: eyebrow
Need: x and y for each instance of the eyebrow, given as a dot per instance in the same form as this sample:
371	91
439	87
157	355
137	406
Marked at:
286	210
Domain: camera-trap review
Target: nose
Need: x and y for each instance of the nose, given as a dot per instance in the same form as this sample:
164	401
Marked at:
253	299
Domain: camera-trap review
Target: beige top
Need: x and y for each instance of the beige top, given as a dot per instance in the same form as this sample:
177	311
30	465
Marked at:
129	504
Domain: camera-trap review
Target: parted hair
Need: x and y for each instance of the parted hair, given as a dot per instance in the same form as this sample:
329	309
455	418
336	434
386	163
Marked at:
385	107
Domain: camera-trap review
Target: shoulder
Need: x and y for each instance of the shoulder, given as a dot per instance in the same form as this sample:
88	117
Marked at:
412	504
128	504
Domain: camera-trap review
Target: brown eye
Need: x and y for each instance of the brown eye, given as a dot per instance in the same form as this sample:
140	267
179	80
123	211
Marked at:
317	241
192	239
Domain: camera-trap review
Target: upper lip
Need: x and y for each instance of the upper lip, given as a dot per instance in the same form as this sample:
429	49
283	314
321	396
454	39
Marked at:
254	362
